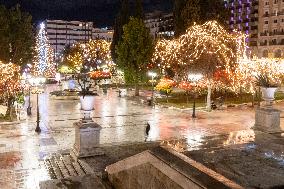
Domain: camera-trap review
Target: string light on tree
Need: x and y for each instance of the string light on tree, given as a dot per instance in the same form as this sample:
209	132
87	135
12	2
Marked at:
43	61
93	54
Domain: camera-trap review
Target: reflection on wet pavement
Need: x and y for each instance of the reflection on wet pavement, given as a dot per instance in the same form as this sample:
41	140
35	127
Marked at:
22	150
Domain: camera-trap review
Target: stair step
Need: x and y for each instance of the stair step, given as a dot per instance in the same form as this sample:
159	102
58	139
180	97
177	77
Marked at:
55	168
62	167
49	168
78	168
68	164
188	170
86	167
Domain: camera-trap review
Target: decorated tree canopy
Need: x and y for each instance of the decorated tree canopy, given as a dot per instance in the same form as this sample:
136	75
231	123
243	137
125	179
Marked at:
9	82
206	48
92	54
249	69
165	85
43	61
97	75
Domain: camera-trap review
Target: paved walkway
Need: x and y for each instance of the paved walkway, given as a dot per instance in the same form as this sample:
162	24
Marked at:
22	150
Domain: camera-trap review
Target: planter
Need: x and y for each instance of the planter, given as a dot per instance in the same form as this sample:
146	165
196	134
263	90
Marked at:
87	102
268	93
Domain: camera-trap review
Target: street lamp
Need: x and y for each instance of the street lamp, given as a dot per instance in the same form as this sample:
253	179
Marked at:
194	78
37	82
152	75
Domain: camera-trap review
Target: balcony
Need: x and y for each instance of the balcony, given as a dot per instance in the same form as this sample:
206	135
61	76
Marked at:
253	27
263	43
273	43
253	43
263	33
253	36
276	33
265	15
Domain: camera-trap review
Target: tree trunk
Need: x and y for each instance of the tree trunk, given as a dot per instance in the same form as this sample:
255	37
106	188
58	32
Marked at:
209	96
9	112
136	90
167	97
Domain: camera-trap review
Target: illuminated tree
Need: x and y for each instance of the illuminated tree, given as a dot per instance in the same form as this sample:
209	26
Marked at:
205	49
93	55
165	86
9	84
43	61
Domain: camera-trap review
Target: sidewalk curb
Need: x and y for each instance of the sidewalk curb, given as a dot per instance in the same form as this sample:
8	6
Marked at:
10	123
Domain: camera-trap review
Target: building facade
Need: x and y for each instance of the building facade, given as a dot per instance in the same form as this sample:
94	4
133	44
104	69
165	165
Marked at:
103	33
271	29
62	33
263	21
161	24
244	17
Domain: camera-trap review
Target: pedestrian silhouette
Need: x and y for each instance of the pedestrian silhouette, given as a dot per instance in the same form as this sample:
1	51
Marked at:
148	127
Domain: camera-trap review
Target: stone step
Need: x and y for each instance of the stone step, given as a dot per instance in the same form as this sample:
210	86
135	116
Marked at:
78	168
87	169
49	168
55	168
68	164
197	175
62	167
86	182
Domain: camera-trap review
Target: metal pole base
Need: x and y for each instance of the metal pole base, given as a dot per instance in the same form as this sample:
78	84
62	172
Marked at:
38	130
29	111
193	111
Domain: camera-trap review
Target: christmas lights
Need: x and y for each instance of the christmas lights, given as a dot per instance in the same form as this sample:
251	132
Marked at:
93	54
43	61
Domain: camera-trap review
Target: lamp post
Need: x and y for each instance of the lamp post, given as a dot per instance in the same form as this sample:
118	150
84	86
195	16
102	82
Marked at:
153	75
194	78
37	82
29	108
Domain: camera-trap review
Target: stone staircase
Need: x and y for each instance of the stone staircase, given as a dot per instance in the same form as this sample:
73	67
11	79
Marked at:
64	166
69	173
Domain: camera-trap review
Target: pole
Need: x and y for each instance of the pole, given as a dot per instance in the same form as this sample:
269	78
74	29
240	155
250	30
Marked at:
29	109
152	87
38	130
193	111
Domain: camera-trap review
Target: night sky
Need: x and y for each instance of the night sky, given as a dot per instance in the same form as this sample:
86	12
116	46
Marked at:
101	12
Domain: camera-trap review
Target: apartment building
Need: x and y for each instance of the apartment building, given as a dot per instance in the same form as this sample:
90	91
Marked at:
62	33
244	17
161	24
271	29
103	33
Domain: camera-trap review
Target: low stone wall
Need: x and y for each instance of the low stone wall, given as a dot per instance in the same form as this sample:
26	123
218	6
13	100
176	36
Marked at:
64	97
146	171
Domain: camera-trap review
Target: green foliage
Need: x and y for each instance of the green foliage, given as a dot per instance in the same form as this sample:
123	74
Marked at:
20	99
191	13
135	50
186	12
264	81
121	19
139	10
16	36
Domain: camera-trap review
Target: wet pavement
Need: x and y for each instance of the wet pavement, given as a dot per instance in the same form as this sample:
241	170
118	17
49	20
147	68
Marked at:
254	160
123	121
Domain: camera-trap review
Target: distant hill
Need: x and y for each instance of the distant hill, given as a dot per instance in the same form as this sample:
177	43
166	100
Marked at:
101	12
